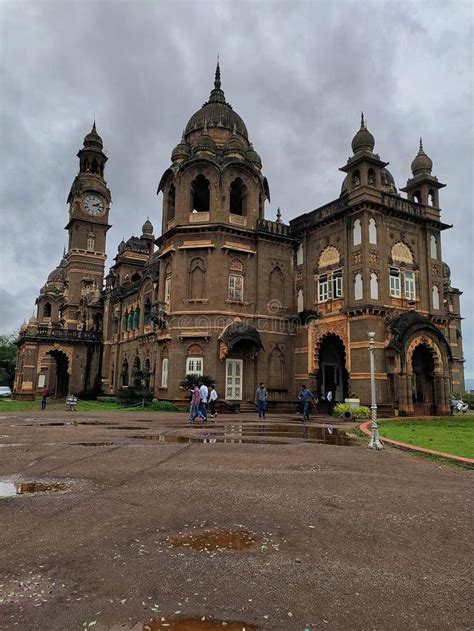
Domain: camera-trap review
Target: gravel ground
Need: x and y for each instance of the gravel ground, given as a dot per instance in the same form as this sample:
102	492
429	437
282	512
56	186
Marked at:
345	538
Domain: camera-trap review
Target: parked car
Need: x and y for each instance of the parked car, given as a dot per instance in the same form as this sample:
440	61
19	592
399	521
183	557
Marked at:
5	392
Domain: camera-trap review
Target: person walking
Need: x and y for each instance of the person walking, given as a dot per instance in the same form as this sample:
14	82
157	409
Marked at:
195	405
329	401
305	397
44	398
212	401
204	393
261	400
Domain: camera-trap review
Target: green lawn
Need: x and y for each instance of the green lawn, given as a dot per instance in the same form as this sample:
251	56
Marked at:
451	435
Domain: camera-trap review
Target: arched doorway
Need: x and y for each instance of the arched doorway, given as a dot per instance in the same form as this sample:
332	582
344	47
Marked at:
332	372
424	392
58	378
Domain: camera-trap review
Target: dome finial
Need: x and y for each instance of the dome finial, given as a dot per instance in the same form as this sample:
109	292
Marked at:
421	145
362	121
278	220
217	78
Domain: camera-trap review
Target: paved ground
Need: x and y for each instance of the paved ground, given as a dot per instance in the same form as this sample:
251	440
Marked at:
346	538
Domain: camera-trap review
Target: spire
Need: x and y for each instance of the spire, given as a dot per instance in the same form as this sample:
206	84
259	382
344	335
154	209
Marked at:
278	219
421	146
217	78
362	122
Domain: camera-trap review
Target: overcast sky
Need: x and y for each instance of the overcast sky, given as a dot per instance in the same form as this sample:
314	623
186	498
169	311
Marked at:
297	72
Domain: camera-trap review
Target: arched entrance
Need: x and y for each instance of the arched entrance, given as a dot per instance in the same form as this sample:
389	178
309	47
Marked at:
58	376
424	392
332	372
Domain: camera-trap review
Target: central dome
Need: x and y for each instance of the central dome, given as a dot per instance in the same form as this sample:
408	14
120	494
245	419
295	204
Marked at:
216	112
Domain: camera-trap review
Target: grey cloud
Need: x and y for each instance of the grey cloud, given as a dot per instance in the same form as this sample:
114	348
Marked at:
297	72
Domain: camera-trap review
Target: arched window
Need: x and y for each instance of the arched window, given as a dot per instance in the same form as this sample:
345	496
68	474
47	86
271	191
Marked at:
276	369
197	279
136	318
431	198
435	297
125	373
417	197
136	363
147	312
372	231
47	310
300	301
371	177
164	372
433	247
357	233
146	373
200	194
171	203
91	242
358	287
238	197
355	178
167	291
276	285
299	255
374	286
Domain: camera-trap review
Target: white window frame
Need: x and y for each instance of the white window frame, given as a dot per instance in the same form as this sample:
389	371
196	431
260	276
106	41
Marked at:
195	366
330	286
236	287
164	372
395	283
409	285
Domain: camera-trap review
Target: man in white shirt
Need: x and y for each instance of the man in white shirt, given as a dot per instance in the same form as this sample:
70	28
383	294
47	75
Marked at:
212	401
204	393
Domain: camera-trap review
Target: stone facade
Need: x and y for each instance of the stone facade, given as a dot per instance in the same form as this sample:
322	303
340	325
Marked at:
230	294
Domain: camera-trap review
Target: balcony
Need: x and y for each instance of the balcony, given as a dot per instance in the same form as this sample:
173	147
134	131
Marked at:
65	335
273	227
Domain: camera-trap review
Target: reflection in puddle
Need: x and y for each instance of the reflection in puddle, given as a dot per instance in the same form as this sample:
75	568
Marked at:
11	489
128	427
258	434
216	540
98	444
196	624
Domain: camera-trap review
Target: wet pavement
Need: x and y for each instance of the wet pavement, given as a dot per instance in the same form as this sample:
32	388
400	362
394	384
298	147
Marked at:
236	525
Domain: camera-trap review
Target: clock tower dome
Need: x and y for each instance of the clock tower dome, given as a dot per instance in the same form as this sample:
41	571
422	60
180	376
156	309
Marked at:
89	204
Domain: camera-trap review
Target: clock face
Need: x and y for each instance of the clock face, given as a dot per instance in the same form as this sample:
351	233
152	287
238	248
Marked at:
93	205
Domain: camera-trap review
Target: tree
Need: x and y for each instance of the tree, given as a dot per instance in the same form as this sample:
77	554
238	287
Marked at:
7	359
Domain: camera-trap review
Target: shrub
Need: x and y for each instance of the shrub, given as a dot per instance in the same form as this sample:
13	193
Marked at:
161	406
130	395
107	399
188	382
360	412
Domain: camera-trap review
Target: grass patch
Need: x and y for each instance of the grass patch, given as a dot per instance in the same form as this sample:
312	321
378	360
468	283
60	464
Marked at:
451	435
83	406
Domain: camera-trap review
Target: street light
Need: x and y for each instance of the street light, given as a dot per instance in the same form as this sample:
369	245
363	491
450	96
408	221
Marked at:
375	442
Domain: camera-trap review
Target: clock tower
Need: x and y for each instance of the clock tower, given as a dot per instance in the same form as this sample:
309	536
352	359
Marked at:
89	203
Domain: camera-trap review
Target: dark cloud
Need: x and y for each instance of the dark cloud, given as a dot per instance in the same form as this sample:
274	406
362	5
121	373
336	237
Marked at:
297	72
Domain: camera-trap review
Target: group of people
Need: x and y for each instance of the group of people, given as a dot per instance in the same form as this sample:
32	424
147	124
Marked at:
305	397
201	398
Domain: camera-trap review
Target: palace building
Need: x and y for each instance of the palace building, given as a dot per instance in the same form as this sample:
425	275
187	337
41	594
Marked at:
225	292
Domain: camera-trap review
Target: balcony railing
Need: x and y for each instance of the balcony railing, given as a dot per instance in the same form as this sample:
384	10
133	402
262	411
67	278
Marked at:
273	227
64	334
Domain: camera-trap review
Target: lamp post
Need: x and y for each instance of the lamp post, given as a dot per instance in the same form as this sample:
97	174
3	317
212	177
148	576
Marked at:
375	442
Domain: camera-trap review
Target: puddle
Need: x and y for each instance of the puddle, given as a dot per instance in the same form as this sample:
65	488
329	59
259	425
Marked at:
210	540
12	489
98	444
196	624
261	434
135	427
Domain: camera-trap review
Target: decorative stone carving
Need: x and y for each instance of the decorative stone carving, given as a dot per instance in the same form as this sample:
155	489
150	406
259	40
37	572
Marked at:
329	256
373	256
401	253
322	329
428	340
357	258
